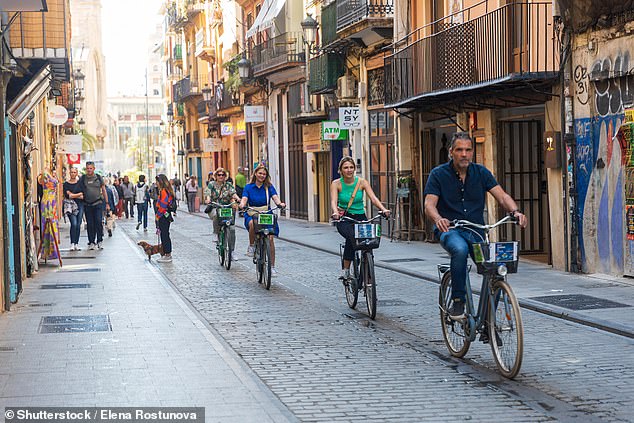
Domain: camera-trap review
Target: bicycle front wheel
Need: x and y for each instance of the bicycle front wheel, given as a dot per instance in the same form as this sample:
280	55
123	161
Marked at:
452	331
370	284
220	247
350	286
506	332
228	246
266	263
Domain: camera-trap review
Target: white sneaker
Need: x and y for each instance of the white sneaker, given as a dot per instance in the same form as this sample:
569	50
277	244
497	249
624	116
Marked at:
214	238
91	246
345	274
165	259
273	271
72	247
99	246
77	247
250	251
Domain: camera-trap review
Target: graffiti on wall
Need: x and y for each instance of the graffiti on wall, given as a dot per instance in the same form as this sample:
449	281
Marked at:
600	178
613	82
581	85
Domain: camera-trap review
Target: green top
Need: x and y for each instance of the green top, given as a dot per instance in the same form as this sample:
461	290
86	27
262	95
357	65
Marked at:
241	180
357	206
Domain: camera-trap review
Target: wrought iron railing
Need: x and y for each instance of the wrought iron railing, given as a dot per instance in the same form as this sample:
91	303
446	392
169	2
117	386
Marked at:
516	39
353	11
284	49
325	69
188	87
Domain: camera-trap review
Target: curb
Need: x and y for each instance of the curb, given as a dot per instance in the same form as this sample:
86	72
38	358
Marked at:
552	311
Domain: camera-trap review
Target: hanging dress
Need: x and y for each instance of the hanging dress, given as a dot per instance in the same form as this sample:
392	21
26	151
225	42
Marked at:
48	209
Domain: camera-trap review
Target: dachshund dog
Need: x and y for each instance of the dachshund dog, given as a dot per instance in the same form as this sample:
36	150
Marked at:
150	250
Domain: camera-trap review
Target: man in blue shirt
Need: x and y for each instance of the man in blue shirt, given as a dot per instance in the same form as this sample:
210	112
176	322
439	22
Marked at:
457	190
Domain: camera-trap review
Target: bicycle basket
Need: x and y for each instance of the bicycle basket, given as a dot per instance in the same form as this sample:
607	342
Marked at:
225	214
264	221
367	236
490	256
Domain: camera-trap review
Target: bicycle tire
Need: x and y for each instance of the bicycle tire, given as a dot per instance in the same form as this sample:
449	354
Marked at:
505	325
228	244
369	284
257	259
351	285
220	246
266	263
453	332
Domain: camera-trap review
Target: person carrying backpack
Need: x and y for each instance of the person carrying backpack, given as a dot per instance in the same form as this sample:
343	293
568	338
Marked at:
165	210
94	191
141	199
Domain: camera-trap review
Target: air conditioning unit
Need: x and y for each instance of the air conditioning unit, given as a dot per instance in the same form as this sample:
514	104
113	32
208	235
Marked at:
347	87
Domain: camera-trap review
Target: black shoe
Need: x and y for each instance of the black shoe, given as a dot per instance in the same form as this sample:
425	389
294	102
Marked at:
456	311
138	225
109	232
484	338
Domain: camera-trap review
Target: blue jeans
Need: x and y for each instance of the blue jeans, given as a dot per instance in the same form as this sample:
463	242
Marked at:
141	212
94	221
458	242
75	223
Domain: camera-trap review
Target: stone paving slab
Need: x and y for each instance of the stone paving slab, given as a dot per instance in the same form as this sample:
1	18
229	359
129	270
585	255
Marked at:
159	351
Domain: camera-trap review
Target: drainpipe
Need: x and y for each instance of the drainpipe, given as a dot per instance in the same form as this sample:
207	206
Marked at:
571	217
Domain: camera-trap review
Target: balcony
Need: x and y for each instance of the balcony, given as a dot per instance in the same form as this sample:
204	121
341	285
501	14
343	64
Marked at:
205	49
494	53
365	22
324	72
228	100
277	54
178	53
188	88
328	24
202	107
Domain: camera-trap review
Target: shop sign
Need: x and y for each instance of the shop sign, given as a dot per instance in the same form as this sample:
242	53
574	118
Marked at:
330	131
241	128
57	115
312	140
73	159
212	145
226	129
70	144
350	117
254	114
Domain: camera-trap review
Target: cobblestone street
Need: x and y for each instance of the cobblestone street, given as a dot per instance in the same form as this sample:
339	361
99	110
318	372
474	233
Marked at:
326	362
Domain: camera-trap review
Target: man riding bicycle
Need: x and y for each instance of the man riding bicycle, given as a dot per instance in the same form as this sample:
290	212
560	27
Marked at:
457	190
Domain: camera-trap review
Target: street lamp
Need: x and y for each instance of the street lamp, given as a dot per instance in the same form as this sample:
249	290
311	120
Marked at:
243	68
309	29
82	124
79	77
207	97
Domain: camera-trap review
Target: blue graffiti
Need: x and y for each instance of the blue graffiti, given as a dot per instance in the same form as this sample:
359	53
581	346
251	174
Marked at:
617	223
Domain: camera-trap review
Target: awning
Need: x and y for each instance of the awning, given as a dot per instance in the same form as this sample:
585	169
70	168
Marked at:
269	11
23	6
30	96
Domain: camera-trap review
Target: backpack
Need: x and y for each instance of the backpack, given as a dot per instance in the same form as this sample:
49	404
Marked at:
154	192
82	180
172	206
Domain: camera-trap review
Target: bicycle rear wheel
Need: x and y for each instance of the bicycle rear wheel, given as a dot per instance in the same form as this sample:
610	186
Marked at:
266	263
350	286
506	332
220	247
369	284
452	331
257	259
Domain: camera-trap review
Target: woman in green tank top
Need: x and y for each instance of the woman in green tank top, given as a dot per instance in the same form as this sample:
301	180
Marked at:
346	199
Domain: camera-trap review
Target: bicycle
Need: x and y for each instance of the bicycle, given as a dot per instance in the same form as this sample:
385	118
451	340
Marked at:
367	239
226	236
498	318
263	226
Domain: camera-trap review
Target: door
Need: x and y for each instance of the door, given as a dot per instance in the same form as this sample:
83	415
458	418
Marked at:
382	160
323	186
523	176
298	182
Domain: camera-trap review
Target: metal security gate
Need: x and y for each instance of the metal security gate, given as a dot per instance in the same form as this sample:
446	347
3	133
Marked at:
524	178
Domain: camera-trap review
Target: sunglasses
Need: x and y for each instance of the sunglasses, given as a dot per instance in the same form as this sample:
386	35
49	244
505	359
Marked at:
221	174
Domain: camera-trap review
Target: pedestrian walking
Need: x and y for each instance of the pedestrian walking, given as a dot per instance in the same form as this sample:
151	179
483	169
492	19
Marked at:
117	184
241	181
113	199
165	209
142	198
191	188
73	195
128	197
176	185
94	191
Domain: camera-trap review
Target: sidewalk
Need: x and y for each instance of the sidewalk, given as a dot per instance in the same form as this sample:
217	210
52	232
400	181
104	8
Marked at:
108	329
594	300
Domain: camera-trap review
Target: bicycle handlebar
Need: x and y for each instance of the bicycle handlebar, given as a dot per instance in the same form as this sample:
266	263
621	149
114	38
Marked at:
457	223
224	206
268	211
349	219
